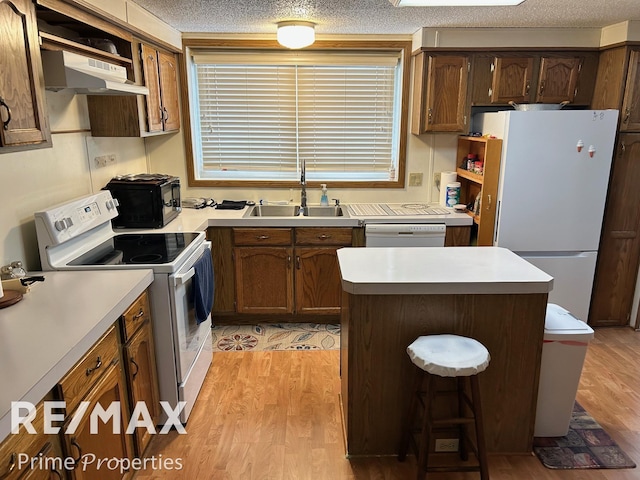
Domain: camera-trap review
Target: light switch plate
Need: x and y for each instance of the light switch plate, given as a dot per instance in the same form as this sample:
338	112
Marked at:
415	179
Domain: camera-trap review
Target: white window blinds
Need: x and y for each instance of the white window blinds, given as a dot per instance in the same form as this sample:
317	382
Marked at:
258	115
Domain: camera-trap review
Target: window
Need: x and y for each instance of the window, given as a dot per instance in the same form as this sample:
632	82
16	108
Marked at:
256	115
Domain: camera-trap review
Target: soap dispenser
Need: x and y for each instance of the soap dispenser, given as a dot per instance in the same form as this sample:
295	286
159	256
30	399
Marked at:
324	200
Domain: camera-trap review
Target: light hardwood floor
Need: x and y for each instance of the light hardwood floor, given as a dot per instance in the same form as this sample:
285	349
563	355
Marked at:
276	415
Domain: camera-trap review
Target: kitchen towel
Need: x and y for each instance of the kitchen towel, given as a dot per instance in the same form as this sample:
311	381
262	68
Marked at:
203	286
232	205
445	179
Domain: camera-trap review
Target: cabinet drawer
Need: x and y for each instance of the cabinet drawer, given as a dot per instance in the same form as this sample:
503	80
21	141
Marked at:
323	236
74	386
136	315
262	236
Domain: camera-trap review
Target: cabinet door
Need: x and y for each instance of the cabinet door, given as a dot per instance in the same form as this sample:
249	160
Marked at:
155	114
264	279
619	252
446	93
23	118
49	456
318	283
511	79
169	91
104	443
630	115
558	79
142	380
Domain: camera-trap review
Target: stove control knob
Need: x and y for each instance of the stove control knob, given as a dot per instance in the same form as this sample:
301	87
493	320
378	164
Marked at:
60	225
68	222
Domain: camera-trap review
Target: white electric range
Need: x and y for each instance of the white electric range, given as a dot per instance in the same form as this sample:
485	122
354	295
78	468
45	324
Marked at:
77	235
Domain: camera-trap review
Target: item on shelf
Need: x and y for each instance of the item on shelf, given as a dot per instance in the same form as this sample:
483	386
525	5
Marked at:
471	161
478	167
453	194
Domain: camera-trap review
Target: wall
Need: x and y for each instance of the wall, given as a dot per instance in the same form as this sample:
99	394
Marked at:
426	154
38	179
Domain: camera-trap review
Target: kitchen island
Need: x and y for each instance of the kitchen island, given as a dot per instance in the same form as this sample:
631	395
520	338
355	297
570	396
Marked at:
393	295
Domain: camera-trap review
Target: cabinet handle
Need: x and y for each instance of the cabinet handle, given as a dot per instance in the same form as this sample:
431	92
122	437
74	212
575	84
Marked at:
74	443
324	236
12	466
430	115
527	88
490	92
262	237
138	315
98	365
489	202
161	113
288	261
541	91
627	113
165	114
298	262
623	148
137	368
5	124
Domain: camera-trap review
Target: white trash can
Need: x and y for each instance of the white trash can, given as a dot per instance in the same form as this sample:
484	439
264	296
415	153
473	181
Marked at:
565	346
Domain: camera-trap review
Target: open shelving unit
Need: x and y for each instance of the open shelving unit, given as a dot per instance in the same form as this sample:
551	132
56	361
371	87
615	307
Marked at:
484	185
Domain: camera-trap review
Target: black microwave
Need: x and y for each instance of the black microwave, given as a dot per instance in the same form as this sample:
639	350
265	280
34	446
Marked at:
145	200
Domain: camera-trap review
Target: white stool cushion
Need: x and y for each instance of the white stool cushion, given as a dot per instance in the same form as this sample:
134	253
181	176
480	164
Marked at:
449	355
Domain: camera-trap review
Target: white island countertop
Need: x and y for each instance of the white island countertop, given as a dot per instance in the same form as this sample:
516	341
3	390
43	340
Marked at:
438	270
54	325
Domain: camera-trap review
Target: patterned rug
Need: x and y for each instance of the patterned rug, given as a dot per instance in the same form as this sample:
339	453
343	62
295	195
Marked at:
281	336
586	445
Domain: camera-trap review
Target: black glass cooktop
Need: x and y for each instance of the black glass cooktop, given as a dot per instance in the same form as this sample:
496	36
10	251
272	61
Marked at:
143	249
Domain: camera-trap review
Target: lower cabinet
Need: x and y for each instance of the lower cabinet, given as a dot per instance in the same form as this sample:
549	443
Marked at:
116	373
286	271
18	451
88	445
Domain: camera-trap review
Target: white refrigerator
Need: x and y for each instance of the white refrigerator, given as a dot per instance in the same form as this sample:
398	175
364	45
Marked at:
554	175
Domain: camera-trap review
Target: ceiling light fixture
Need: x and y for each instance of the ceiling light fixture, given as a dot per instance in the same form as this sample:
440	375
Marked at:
455	3
296	33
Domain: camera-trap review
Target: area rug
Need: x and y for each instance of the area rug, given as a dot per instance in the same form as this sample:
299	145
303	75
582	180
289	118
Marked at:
586	445
280	336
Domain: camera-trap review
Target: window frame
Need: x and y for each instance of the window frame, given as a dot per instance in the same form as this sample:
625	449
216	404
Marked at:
191	45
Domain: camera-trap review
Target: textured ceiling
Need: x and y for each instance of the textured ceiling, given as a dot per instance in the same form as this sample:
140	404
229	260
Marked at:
380	17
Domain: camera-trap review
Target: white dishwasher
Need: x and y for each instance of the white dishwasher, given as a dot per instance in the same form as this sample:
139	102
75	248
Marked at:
405	234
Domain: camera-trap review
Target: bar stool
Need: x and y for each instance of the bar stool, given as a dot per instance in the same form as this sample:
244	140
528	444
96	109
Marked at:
446	356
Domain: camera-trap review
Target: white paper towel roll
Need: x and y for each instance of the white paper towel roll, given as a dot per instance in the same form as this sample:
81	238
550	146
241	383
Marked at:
445	178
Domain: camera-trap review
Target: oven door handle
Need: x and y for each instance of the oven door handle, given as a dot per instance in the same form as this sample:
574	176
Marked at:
182	279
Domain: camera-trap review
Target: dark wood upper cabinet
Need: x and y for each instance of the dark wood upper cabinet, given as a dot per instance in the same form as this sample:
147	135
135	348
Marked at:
558	79
23	119
141	115
536	77
439	93
511	79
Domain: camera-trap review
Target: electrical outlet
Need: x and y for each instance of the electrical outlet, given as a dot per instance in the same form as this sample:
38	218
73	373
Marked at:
104	160
415	179
447	444
436	178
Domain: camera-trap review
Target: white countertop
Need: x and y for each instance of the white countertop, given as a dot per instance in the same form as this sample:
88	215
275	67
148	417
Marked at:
52	327
195	220
438	270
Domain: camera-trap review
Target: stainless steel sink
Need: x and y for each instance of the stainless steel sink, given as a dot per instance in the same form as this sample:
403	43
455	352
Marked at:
294	210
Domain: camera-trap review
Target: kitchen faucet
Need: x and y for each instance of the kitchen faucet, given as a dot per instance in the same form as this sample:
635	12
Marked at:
303	189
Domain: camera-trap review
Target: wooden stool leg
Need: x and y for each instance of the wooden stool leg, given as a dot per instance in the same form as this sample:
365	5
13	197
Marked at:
410	415
425	435
462	428
477	413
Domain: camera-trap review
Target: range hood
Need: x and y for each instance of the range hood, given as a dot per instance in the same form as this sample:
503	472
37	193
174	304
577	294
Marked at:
84	75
